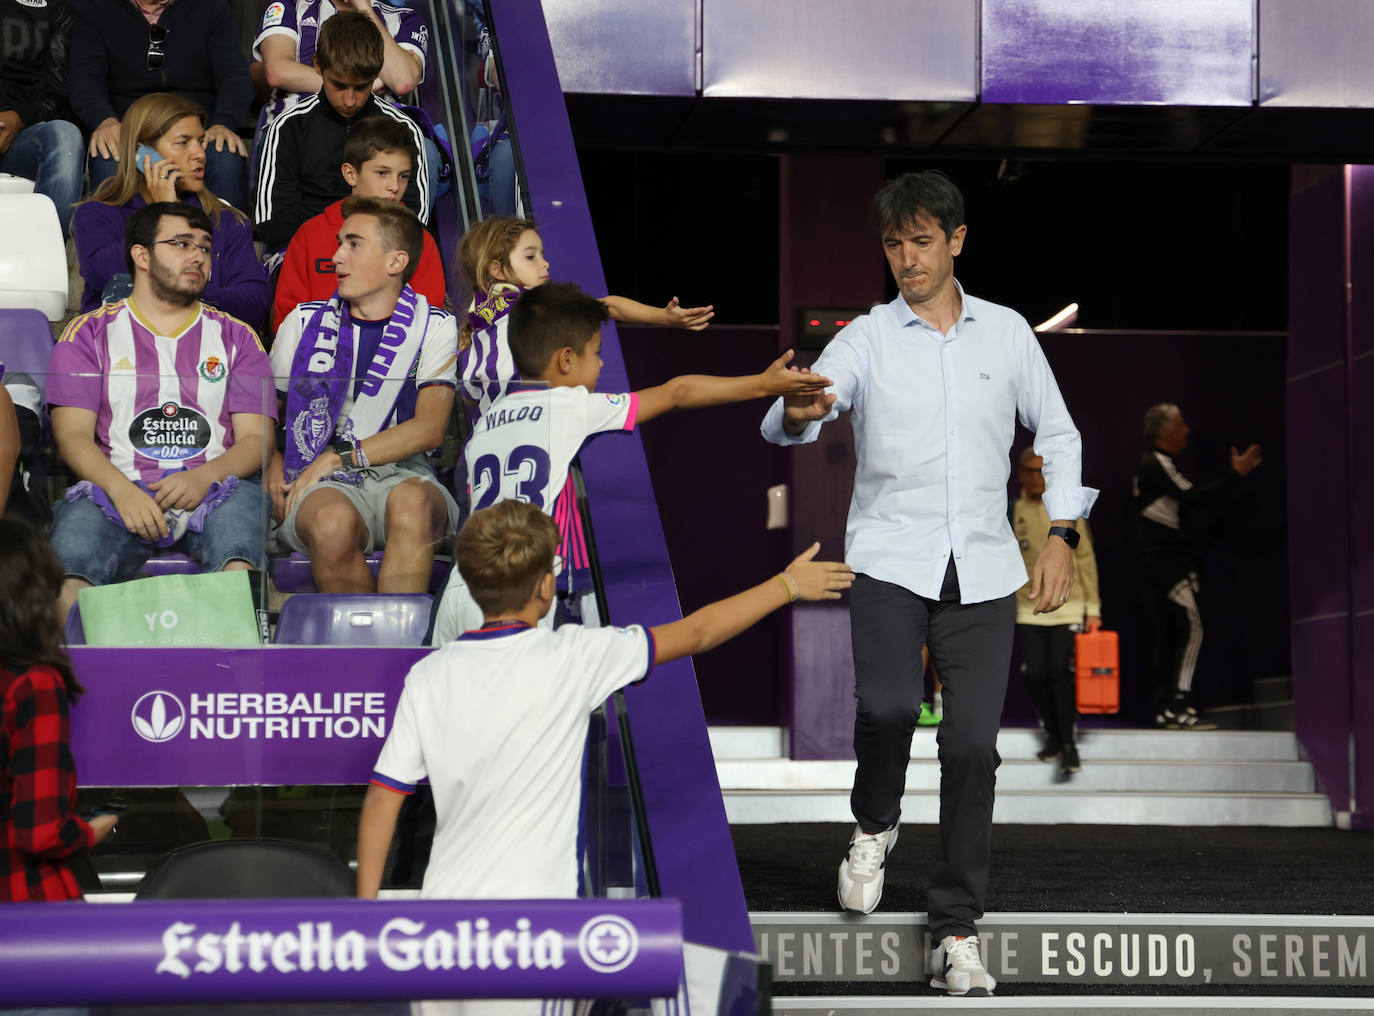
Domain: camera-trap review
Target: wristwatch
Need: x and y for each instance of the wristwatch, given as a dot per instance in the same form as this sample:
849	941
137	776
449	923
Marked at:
346	451
1067	533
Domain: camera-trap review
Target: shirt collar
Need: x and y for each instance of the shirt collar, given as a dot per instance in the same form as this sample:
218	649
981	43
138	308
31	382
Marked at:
906	316
156	13
501	631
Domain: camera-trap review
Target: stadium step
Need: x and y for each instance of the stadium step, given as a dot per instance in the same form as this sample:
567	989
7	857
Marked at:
1077	962
1156	777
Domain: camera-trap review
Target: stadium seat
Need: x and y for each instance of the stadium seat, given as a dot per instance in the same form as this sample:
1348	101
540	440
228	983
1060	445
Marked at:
26	343
11	184
354	620
33	255
291	572
246	869
171	564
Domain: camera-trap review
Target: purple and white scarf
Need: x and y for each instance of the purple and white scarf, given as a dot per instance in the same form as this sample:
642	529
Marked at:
180	521
323	372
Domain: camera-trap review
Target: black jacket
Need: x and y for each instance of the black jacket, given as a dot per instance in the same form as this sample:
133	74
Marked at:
299	157
202	60
1169	506
34	55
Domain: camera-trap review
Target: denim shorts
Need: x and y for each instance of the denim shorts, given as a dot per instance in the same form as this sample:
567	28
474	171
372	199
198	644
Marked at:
101	552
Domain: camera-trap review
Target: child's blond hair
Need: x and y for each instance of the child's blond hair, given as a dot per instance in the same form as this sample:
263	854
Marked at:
503	552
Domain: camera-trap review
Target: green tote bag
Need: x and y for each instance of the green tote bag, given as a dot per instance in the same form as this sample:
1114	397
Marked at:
213	609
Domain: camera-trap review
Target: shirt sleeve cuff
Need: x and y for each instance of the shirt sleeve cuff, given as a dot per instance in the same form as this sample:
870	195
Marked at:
652	643
774	432
1070	502
387	783
631	415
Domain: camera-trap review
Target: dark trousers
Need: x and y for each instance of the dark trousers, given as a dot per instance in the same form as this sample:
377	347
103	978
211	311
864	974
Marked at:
1175	597
970	645
1047	663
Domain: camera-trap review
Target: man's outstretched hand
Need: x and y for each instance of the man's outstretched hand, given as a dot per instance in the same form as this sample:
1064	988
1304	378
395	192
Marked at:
1244	462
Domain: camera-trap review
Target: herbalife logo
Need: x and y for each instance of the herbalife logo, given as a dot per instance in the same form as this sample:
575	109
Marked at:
158	716
608	943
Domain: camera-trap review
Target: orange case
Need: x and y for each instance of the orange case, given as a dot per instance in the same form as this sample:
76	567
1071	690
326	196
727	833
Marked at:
1097	664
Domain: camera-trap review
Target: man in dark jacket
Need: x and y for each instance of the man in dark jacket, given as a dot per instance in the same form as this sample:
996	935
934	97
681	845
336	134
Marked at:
35	141
301	151
1171	547
123	50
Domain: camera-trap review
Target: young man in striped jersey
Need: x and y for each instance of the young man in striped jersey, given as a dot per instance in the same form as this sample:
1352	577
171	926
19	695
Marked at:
161	407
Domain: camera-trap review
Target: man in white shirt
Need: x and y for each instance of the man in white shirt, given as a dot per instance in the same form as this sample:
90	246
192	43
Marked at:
935	382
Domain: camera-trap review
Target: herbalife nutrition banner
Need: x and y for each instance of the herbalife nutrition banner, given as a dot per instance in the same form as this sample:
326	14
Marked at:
319	950
218	717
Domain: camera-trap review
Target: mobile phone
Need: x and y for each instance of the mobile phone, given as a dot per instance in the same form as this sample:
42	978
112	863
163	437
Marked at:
115	805
151	152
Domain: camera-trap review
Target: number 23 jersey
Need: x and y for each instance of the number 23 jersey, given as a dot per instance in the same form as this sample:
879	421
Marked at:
523	445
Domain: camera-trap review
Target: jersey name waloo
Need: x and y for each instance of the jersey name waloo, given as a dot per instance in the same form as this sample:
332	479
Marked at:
402	945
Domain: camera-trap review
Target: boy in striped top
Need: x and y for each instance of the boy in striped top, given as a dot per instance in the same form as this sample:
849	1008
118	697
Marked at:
523	446
161	408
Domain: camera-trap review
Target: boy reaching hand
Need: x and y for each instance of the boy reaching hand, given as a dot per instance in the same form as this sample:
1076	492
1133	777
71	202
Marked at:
523	446
507	706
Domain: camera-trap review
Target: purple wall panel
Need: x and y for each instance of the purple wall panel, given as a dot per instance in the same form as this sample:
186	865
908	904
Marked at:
686	815
1316	53
1316	273
1321	691
625	47
1169	52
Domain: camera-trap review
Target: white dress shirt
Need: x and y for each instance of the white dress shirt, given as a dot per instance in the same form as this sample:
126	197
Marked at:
934	418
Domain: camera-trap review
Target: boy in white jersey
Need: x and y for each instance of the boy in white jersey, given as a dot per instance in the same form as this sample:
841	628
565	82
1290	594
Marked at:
523	446
162	409
368	378
506	706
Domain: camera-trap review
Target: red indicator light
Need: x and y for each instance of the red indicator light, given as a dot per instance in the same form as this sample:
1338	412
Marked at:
815	323
841	324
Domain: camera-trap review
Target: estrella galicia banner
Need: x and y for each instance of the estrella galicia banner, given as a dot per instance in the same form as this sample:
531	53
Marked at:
220	717
319	950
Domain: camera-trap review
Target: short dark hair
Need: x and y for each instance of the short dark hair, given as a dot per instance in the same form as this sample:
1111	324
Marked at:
375	135
901	201
350	44
547	318
503	552
141	229
401	229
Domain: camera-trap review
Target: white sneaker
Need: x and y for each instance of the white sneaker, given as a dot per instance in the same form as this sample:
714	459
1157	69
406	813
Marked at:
862	870
956	967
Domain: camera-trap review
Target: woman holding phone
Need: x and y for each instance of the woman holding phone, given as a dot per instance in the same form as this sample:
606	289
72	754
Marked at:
39	828
162	158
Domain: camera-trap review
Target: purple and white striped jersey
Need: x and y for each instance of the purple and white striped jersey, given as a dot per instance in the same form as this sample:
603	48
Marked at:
162	403
301	20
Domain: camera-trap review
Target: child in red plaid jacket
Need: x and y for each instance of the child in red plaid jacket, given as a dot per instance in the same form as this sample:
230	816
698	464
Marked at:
38	828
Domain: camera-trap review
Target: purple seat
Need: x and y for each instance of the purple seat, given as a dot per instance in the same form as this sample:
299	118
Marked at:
365	619
73	631
171	564
291	573
26	343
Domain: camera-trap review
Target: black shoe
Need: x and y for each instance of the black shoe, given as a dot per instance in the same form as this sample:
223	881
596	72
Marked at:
1070	764
1051	752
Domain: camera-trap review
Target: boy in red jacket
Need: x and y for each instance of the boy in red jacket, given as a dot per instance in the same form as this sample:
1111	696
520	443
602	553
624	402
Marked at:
378	160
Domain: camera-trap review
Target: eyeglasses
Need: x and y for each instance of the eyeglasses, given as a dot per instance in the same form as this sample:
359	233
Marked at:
157	35
186	246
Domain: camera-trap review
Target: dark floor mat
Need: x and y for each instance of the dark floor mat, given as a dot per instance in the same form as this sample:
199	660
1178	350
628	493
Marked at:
1083	868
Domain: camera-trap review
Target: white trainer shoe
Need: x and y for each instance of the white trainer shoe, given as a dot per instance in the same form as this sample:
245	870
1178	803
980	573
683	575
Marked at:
862	870
956	967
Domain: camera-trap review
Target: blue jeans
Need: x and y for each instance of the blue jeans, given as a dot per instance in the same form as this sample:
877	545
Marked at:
226	176
93	548
49	153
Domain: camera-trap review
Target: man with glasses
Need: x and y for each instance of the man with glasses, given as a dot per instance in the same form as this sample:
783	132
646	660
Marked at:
162	407
123	50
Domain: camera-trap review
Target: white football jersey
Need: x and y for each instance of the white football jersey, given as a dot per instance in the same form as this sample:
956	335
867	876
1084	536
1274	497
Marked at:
498	722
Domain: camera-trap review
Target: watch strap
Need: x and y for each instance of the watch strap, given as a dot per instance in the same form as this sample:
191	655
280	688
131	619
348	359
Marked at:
1067	533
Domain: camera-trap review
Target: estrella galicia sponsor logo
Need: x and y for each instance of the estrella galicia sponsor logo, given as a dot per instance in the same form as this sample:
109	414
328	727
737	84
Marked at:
171	432
608	943
158	716
401	945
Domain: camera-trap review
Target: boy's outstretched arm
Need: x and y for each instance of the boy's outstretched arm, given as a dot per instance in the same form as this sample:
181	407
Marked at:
718	622
375	828
673	315
695	391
